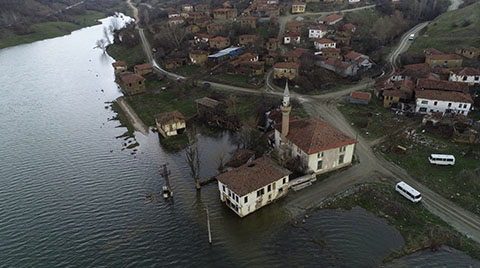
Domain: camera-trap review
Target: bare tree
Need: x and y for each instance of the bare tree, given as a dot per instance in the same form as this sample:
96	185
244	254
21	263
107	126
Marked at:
102	44
193	157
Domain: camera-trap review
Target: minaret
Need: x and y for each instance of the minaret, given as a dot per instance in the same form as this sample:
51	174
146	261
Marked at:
286	108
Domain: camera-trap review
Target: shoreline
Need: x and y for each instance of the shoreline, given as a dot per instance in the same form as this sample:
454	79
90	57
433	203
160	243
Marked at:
132	116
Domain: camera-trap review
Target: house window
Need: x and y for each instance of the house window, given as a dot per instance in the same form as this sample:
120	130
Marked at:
476	78
435	103
284	180
260	192
229	193
269	188
342	149
320	155
245	199
319	164
449	104
422	110
465	78
460	105
424	101
465	106
340	159
223	186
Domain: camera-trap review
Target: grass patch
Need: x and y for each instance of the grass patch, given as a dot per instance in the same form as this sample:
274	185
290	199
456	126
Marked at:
131	56
419	228
175	143
45	30
187	70
122	118
238	80
372	118
447	31
458	183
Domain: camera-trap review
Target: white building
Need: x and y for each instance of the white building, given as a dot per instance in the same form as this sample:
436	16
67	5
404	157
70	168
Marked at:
466	75
253	185
320	146
429	101
290	38
317	31
324	43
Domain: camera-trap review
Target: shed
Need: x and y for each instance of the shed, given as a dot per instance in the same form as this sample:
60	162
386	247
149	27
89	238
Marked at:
359	97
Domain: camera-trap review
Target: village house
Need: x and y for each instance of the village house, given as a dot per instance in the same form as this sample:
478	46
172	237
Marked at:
176	21
195	16
342	40
430	101
248	57
225	54
348	29
291	38
444	60
219	42
271	58
201	38
248	21
468	51
253	185
174	63
324	43
248	67
398	91
132	83
170	123
358	97
187	8
143	69
317	31
214	28
119	66
192	29
225	13
424	84
202	22
247	39
466	75
202	8
271	44
362	61
289	70
341	68
331	19
294	26
312	1
198	57
209	108
294	55
173	14
331	52
298	7
320	146
272	11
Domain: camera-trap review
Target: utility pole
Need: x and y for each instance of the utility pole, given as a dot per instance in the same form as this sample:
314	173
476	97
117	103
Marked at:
208	226
167	190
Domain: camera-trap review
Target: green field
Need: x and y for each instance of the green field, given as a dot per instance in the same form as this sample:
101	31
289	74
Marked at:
51	29
458	183
131	56
420	229
451	29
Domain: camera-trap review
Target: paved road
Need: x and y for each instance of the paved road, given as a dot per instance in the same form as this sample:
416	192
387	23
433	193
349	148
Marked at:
372	166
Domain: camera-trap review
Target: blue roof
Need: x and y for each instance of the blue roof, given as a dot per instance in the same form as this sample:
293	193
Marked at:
224	52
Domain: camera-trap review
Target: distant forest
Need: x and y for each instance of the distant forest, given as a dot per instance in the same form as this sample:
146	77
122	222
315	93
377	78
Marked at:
18	15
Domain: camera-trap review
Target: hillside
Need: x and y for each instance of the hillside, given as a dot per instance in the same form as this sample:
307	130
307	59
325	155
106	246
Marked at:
447	31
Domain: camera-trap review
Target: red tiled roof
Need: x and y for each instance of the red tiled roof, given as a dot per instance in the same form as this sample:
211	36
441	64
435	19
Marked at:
294	24
330	49
223	10
298	3
440	95
352	55
168	116
143	66
469	71
361	95
247	56
131	78
292	35
395	93
318	27
324	41
252	176
296	53
423	83
286	65
349	27
342	64
119	64
313	135
445	57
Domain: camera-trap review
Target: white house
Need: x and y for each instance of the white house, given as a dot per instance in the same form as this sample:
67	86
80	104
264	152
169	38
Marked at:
320	146
466	75
429	101
290	38
362	61
324	43
253	185
317	31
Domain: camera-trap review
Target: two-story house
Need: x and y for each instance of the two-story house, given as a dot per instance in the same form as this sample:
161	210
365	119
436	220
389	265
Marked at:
170	123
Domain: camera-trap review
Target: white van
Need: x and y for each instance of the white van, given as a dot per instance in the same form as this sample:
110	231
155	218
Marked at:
408	192
411	37
442	159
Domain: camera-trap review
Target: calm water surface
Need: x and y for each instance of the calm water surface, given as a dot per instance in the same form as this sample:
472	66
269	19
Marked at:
71	196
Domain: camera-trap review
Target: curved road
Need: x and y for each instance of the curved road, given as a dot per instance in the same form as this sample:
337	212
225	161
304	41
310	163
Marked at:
372	166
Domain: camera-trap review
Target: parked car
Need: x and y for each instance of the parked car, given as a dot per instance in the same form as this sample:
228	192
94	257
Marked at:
412	36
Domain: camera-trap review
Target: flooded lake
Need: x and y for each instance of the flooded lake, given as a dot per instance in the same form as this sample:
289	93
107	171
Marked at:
72	196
